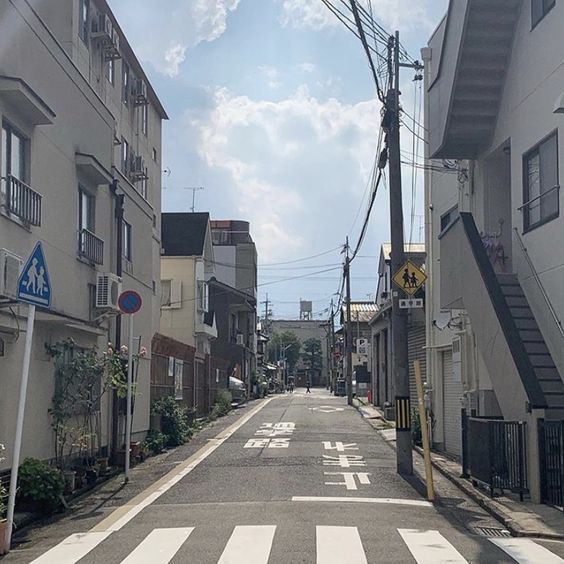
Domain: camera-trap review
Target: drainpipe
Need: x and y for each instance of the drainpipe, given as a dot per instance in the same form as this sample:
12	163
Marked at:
117	338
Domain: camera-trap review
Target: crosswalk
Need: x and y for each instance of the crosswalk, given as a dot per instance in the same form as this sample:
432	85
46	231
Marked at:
333	545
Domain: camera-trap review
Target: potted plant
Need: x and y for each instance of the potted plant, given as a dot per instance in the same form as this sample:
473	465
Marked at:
3	522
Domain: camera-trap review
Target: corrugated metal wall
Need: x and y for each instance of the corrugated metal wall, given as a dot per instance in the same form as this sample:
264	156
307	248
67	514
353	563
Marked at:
416	351
452	392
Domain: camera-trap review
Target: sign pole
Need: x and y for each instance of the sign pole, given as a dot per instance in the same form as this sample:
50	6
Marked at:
19	422
129	393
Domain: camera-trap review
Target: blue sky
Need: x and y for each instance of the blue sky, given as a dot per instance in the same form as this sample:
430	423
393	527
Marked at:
272	109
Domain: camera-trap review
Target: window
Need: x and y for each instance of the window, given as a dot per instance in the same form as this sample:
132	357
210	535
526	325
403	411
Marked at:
145	185
144	118
127	241
83	19
14	147
540	183
110	70
125	83
124	155
154	154
539	9
86	208
448	217
203	296
166	288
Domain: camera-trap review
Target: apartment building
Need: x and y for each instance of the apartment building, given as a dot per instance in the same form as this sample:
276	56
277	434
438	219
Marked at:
494	100
81	172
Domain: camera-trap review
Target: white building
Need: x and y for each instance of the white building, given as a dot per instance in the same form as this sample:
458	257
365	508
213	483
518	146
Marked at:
495	85
81	140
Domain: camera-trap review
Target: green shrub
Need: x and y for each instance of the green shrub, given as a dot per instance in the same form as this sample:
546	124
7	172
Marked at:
40	484
174	420
155	441
223	402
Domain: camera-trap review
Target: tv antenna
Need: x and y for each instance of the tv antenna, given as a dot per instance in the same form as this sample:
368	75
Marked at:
194	190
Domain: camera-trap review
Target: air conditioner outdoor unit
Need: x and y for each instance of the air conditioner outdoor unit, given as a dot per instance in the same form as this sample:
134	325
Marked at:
240	339
139	91
102	27
108	289
10	268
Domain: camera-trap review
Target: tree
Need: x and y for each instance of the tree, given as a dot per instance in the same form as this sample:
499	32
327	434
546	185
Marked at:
276	348
312	354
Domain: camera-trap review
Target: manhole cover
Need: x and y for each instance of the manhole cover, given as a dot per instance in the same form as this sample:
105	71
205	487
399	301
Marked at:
492	532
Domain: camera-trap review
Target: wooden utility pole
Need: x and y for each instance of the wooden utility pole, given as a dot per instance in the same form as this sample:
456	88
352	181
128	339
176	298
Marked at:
399	317
332	329
348	327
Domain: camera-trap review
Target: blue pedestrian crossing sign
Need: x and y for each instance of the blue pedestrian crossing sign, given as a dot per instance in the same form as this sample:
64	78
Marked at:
34	286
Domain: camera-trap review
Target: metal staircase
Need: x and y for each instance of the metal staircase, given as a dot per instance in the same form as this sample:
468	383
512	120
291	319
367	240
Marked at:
533	342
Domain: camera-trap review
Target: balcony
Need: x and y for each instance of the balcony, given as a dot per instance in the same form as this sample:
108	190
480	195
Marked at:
22	201
90	247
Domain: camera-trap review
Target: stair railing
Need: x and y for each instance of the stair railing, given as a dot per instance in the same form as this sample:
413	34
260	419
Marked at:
539	282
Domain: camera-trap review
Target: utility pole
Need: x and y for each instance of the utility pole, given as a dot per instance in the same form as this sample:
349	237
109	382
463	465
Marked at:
332	360
399	317
266	314
348	327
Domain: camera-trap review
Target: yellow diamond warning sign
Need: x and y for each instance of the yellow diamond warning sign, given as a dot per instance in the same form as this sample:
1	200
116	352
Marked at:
409	278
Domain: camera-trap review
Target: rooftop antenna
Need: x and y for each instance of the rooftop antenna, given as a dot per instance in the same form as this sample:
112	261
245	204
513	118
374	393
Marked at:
194	190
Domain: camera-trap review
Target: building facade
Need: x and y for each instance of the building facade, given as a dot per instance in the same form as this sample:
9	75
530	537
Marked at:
80	172
494	116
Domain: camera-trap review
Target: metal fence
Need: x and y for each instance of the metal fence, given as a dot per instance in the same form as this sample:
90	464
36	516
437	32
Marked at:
497	454
551	452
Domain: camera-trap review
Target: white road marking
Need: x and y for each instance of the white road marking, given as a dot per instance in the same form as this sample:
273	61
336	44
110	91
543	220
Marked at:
336	545
126	513
327	409
382	500
350	479
430	547
72	549
339	446
525	551
159	547
249	545
343	460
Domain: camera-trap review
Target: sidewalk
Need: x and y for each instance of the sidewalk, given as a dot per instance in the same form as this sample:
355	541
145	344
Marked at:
523	519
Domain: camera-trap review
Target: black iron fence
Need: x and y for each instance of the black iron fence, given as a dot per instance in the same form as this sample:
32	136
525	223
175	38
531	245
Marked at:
22	201
497	454
551	452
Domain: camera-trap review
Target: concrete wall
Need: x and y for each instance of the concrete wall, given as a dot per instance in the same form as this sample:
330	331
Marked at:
66	75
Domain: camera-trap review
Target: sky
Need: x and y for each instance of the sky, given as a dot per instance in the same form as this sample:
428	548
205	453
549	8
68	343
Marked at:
273	111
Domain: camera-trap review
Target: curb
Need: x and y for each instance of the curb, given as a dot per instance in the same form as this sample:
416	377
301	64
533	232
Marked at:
494	508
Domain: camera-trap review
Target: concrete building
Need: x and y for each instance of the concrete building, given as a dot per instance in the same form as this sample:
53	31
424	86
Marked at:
383	385
80	150
304	330
494	99
234	296
187	264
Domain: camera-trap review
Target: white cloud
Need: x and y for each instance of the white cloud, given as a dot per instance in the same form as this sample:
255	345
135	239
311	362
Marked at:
272	75
288	161
162	36
306	67
392	14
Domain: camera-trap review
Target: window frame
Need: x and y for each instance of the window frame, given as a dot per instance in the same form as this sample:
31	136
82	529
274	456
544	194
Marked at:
127	241
535	151
109	70
145	119
124	155
125	83
83	24
6	160
84	194
546	7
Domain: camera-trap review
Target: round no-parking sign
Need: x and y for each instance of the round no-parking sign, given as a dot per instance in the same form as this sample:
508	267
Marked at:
129	302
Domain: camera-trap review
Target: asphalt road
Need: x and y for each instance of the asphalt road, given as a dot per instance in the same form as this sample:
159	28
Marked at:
300	478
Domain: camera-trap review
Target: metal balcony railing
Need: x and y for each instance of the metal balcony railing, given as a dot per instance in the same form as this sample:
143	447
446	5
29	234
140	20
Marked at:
90	246
22	201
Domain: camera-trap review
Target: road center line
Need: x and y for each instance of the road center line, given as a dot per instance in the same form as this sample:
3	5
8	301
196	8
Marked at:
121	516
383	500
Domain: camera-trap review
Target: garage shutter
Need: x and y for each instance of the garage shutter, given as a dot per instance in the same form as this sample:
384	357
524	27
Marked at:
416	351
452	392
